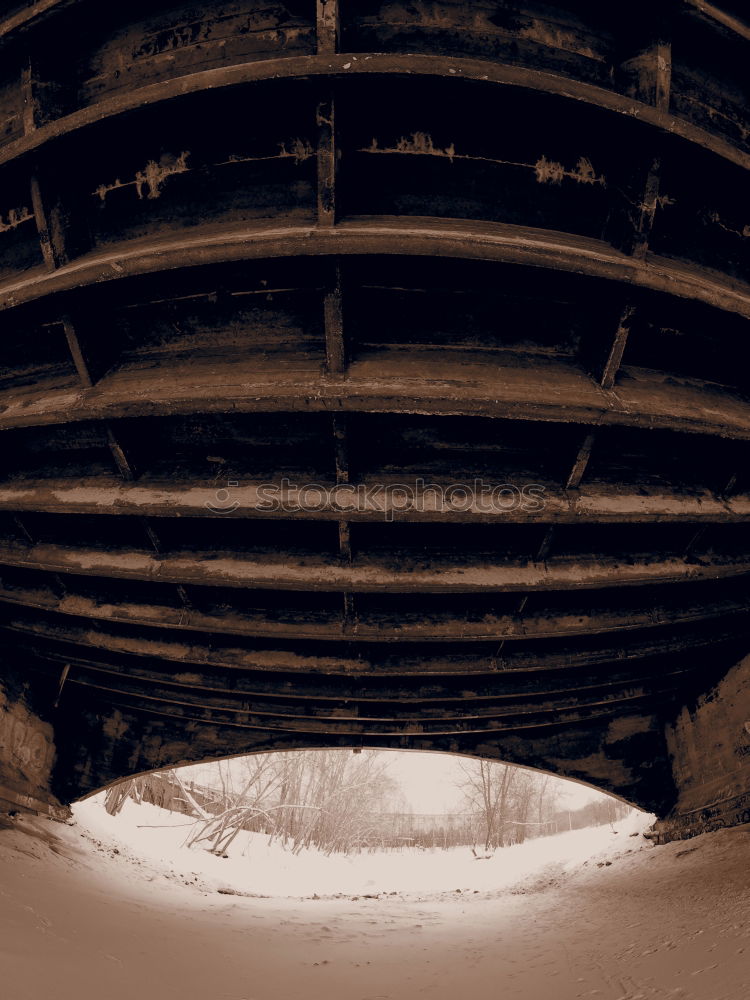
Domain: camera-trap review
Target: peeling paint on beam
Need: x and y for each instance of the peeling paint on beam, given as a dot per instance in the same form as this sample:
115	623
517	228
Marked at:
283	571
597	504
369	628
516	677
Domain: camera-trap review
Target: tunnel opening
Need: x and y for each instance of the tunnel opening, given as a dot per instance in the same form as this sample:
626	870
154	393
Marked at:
361	822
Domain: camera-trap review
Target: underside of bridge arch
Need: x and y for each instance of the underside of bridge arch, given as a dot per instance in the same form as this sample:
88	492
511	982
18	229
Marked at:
373	373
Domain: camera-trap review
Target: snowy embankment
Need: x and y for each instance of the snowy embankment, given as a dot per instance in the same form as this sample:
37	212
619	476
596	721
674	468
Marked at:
256	866
82	917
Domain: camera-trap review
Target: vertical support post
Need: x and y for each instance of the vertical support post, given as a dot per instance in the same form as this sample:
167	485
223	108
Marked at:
334	325
649	71
51	235
341	457
617	348
341	447
76	352
30	102
327	161
643	220
327	24
124	466
662	55
581	461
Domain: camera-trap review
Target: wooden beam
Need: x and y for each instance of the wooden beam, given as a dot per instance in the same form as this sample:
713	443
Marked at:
598	503
419	236
285	571
544	623
419	381
455	68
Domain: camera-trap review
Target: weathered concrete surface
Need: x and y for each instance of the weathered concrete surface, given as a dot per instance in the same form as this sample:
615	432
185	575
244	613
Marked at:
360	245
709	747
27	756
693	770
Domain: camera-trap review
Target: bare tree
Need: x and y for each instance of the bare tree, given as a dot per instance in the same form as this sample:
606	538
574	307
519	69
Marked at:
487	786
508	802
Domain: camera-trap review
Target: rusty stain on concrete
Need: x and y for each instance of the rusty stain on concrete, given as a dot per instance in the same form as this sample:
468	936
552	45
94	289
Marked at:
150	181
546	171
15	218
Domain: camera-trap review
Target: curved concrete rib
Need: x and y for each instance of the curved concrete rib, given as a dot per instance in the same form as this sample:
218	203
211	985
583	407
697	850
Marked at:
358	502
418	381
346	65
412	236
371	628
286	571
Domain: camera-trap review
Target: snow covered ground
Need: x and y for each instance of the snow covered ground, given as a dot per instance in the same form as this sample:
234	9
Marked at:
86	912
255	866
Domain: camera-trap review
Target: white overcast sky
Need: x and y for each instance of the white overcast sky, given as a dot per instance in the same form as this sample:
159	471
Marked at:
429	781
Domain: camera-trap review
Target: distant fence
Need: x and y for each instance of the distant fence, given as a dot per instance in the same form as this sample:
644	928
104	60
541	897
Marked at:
393	830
